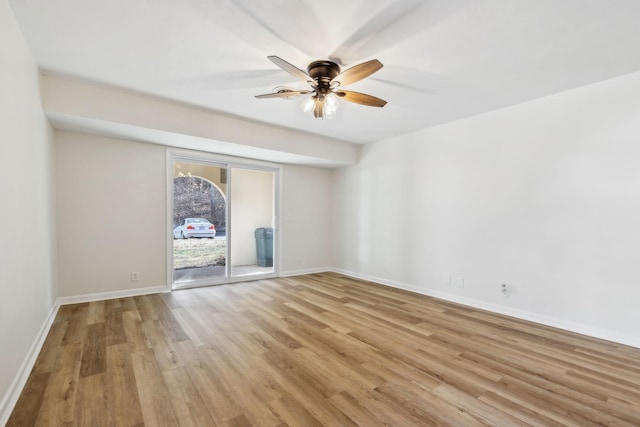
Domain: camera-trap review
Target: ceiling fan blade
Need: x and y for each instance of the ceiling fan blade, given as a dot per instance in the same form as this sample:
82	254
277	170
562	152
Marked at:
275	24
361	98
398	21
284	94
291	69
357	72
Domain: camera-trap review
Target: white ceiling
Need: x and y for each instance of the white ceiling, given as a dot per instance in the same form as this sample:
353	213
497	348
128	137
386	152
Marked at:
443	59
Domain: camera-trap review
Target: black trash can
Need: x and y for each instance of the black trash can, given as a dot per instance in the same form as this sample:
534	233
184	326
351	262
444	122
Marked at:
264	246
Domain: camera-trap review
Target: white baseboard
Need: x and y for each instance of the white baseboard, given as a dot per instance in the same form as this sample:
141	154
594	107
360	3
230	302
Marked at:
101	296
507	311
305	271
13	393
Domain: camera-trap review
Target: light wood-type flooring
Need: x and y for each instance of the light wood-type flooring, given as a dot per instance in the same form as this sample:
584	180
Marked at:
314	350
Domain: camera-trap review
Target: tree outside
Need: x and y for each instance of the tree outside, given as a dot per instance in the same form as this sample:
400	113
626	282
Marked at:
194	197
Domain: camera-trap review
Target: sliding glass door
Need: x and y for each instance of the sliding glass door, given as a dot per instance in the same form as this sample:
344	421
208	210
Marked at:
223	222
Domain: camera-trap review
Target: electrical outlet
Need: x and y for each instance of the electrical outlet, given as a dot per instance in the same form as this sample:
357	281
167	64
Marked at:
455	282
504	288
298	261
135	276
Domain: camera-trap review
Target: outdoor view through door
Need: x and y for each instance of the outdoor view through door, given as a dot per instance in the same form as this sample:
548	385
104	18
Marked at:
223	219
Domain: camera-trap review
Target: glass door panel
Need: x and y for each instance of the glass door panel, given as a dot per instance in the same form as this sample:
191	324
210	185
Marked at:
199	224
252	220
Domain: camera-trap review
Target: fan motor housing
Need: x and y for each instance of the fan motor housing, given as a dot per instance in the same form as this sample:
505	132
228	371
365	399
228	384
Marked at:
323	71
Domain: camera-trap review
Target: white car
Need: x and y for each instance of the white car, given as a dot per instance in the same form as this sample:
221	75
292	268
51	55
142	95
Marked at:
194	227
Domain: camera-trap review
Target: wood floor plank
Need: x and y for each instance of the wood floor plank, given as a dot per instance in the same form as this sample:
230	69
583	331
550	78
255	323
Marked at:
423	405
76	319
525	415
185	399
196	333
357	412
127	304
170	324
92	402
133	331
477	409
153	392
94	351
114	323
219	401
293	413
310	395
163	347
257	411
144	307
389	408
52	347
96	312
320	349
59	400
30	402
124	401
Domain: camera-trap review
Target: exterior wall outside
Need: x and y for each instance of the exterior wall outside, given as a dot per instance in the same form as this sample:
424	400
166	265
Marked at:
203	171
252	195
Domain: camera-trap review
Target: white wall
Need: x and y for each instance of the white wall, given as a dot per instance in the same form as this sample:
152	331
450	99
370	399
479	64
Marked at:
111	199
27	259
307	229
543	196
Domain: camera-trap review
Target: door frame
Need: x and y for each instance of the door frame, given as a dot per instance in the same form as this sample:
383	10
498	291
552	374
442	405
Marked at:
218	160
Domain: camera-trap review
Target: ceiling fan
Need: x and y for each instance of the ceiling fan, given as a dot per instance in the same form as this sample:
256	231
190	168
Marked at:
326	81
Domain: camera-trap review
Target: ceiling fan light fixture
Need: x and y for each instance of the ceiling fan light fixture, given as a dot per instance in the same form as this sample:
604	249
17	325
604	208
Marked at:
321	106
330	105
308	105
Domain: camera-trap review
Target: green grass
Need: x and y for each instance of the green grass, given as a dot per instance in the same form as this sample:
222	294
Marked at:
198	252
